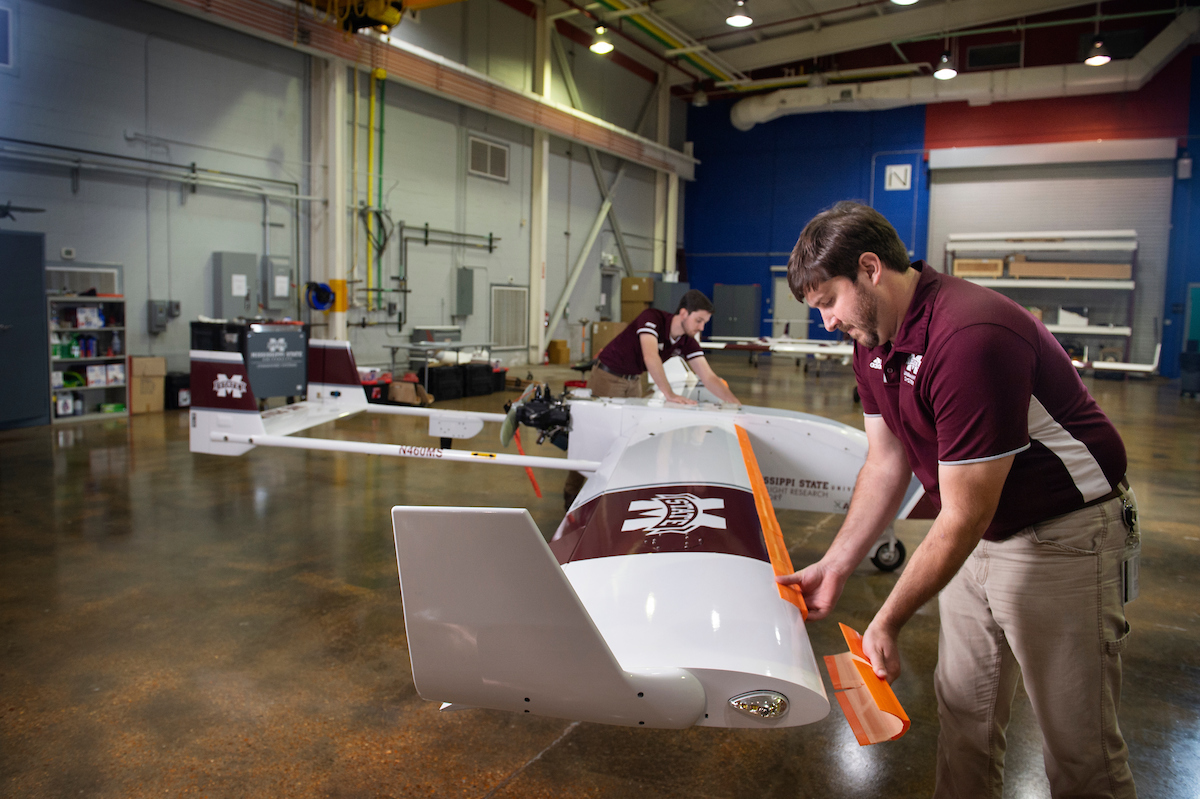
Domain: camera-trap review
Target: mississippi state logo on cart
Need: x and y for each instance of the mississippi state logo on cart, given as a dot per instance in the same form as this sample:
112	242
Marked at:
674	513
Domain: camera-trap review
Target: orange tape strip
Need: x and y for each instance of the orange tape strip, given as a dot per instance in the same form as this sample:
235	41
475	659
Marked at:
781	561
866	711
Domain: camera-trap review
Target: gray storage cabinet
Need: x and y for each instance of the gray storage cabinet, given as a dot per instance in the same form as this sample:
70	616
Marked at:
24	344
736	310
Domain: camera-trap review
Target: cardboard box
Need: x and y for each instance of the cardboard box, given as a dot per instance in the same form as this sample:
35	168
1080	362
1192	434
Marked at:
403	392
637	289
97	375
116	374
979	267
632	310
1019	267
146	394
558	351
1072	318
604	332
146	366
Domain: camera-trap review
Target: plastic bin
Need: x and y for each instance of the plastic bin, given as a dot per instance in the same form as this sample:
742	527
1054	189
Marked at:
477	379
444	382
178	390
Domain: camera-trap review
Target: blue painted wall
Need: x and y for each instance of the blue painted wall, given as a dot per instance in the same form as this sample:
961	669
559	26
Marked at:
755	190
1183	262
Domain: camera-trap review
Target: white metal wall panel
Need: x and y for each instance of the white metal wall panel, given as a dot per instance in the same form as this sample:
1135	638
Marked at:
1066	197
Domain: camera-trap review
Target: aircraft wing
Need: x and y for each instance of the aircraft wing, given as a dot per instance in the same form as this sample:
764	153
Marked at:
654	605
784	345
1119	366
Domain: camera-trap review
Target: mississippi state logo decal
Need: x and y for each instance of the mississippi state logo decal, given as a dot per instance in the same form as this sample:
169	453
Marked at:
276	345
674	513
226	386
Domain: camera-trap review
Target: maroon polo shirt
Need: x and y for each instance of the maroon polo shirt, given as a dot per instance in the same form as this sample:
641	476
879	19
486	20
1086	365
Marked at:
623	355
971	376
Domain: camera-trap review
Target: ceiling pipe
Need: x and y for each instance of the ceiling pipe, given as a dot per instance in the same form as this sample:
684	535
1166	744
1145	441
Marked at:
831	12
598	19
976	88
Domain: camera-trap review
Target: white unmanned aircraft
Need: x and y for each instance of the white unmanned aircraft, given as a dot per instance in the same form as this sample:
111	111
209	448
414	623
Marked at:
654	604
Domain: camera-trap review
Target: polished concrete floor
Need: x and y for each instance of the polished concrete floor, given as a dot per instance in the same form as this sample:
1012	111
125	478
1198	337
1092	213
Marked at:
176	624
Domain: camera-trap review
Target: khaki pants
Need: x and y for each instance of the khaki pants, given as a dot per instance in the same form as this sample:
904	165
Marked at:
1044	605
602	384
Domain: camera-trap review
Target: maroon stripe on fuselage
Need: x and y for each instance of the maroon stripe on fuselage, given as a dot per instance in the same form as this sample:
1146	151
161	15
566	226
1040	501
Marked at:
332	365
681	518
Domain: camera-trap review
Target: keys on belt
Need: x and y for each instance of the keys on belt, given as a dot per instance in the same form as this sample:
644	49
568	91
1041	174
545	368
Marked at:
1131	558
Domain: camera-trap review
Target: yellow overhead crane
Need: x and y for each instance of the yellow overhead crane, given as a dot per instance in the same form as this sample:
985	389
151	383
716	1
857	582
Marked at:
355	14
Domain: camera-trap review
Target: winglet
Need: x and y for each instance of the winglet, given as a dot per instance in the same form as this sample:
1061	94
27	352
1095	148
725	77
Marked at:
870	705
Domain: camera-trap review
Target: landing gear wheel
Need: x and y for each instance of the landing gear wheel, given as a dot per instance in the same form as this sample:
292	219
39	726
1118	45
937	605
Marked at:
888	558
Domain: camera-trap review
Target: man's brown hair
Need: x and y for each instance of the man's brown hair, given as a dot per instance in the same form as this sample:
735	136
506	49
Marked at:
694	300
831	243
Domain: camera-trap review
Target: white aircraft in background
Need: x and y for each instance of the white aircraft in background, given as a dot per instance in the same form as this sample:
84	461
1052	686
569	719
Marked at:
654	604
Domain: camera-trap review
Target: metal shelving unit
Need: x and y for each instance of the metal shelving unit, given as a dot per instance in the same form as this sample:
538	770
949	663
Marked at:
1110	244
109	343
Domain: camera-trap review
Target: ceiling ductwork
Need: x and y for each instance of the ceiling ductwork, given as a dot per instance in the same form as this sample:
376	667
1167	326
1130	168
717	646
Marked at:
976	88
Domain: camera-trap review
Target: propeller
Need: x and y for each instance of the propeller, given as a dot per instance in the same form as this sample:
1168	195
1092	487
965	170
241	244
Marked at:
509	428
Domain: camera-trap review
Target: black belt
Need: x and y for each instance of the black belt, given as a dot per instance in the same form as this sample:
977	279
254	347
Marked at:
617	374
1123	484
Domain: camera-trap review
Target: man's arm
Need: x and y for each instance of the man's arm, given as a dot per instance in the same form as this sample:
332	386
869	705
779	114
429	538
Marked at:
654	366
878	492
711	381
970	493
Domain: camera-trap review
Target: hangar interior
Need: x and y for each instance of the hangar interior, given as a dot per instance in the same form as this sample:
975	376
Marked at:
487	171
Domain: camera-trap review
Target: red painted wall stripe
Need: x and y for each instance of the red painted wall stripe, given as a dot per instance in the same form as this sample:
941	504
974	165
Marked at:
1158	110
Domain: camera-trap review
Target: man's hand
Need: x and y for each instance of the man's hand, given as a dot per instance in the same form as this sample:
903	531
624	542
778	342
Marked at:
882	648
679	399
821	586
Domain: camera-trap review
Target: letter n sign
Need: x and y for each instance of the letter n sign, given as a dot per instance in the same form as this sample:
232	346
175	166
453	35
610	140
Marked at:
897	177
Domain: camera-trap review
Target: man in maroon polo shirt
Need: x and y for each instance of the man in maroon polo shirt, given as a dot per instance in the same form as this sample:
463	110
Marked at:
651	338
964	388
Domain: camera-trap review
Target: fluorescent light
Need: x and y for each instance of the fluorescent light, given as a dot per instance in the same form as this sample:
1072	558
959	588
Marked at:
1097	55
945	68
904	2
740	17
601	45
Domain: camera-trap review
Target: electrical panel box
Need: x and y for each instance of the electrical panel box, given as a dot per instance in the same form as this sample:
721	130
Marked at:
235	285
277	283
668	295
464	294
156	316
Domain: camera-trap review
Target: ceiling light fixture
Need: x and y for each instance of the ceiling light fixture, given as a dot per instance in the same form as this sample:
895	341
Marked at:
601	45
740	17
904	2
699	97
1098	54
945	67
